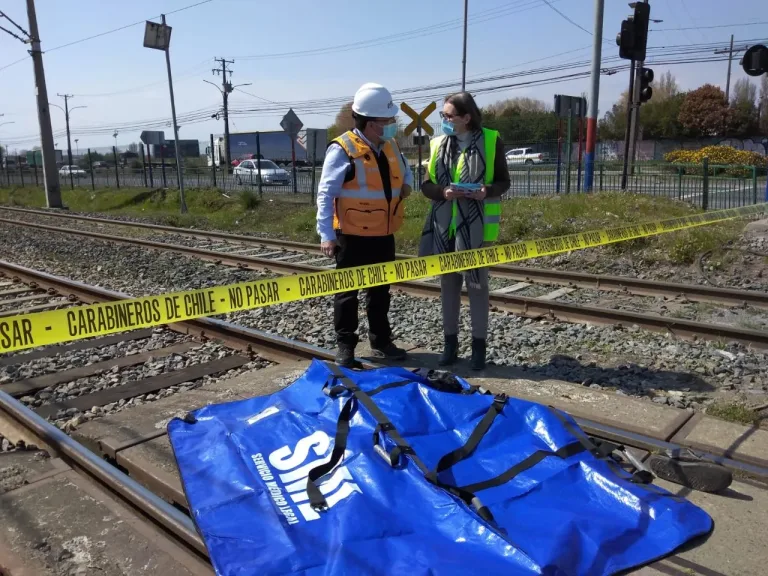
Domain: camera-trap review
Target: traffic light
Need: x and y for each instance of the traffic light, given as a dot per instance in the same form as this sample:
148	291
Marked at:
755	61
633	38
646	77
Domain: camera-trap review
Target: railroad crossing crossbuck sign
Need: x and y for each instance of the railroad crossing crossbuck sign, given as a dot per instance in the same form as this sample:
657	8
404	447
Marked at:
418	120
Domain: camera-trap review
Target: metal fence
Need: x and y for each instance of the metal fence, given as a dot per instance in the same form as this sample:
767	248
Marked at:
716	187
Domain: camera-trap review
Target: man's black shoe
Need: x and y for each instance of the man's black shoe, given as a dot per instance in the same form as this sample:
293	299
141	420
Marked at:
345	357
389	352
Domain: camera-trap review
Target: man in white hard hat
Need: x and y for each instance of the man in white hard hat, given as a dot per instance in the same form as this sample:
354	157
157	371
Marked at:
359	208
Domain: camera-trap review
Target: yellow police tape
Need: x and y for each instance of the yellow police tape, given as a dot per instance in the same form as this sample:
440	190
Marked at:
76	323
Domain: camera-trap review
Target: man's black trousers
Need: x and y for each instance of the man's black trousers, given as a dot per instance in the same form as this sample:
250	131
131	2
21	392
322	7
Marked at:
362	251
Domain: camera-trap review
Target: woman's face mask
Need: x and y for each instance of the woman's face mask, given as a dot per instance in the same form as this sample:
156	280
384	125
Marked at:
452	123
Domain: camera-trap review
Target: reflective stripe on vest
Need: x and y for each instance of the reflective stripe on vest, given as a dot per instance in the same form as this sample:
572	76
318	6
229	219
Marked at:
491	206
361	208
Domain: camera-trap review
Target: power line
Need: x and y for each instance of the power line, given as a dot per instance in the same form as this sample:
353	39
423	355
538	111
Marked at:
710	27
4	15
579	26
23	40
659	55
74	42
182	75
482	16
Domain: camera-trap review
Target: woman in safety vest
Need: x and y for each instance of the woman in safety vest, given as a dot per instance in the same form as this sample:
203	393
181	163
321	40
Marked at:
467	177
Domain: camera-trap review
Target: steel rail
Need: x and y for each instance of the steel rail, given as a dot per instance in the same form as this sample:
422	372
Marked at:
605	282
532	307
252	341
154	507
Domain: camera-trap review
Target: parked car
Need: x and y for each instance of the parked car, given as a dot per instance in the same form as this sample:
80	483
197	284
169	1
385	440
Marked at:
100	164
525	156
75	171
247	171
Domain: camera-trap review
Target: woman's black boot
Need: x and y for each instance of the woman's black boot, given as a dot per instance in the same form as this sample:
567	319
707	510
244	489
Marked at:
450	352
478	354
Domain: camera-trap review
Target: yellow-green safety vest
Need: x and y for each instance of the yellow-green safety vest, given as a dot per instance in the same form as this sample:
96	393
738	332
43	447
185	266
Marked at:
492	206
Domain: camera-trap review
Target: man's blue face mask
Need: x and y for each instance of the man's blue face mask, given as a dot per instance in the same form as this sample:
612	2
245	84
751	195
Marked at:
389	131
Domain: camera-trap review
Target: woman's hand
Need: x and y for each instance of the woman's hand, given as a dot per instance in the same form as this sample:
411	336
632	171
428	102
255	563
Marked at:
479	194
451	193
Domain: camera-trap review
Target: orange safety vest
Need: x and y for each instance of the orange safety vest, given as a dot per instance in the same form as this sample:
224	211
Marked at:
362	209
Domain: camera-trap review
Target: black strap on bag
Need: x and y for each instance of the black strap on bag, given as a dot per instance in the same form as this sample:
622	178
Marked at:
461	453
384	425
341	384
339	447
602	450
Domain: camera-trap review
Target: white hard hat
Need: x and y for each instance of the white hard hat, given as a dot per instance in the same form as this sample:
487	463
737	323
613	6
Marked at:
374	101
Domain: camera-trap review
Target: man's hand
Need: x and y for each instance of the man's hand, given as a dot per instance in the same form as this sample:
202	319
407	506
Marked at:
328	248
405	191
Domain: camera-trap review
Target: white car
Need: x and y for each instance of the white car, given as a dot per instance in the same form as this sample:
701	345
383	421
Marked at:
525	156
76	172
247	172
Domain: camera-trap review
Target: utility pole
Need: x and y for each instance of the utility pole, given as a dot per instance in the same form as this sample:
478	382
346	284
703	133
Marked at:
464	58
226	88
594	95
50	173
728	79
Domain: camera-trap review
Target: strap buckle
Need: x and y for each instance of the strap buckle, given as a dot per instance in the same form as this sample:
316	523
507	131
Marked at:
391	457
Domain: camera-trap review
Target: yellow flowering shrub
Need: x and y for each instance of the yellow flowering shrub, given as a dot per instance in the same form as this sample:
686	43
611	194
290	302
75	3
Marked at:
736	160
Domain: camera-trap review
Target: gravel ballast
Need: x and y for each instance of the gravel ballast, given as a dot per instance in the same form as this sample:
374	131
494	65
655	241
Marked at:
630	361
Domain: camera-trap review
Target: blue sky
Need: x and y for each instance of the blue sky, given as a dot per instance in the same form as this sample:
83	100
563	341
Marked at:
121	82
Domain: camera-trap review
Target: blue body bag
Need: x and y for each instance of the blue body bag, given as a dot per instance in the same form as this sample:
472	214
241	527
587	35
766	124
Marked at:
390	472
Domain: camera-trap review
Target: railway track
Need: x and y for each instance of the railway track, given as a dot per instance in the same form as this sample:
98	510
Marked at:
291	257
149	491
524	277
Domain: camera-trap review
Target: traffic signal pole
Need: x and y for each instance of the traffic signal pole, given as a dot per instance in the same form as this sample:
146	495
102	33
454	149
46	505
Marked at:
632	42
635	120
594	95
627	131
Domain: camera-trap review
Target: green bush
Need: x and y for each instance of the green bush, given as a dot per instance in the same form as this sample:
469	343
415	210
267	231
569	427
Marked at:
249	200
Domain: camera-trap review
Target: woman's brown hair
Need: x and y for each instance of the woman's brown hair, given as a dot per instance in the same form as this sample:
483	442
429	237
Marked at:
465	104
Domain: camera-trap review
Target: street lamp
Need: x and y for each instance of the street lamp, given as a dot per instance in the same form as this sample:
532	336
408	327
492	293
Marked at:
67	110
115	137
4	163
77	146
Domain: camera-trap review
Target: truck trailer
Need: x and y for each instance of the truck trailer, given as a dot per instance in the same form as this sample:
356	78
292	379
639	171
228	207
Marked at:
273	145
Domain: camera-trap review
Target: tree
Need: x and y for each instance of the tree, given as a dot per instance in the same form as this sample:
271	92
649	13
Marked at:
743	118
524	105
762	110
133	147
744	93
660	118
521	121
614	124
342	123
705	112
666	87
